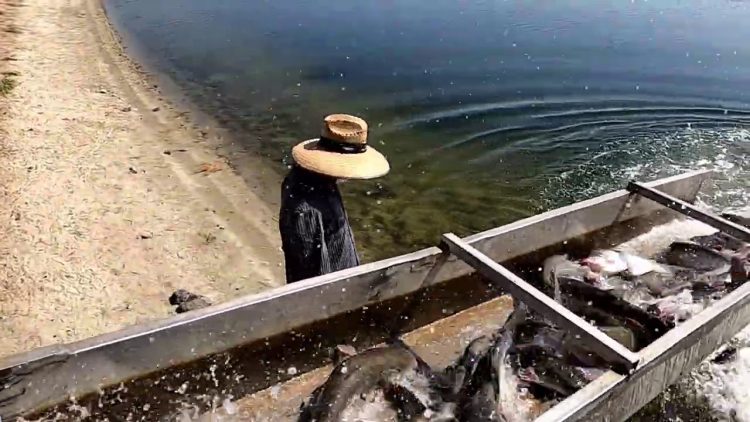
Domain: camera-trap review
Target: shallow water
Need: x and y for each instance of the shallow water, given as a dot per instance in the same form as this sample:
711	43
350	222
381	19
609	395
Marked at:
488	110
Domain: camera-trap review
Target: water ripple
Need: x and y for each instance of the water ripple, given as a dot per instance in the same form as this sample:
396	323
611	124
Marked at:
576	107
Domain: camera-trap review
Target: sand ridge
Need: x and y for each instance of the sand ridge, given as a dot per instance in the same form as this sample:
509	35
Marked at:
112	199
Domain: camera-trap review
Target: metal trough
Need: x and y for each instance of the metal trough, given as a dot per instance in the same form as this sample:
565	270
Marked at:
251	343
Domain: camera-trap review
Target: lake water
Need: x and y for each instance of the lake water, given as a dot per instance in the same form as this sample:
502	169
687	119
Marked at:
489	111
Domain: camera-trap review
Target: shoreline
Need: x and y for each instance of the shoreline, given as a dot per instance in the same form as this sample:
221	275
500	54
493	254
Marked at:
115	196
263	180
163	89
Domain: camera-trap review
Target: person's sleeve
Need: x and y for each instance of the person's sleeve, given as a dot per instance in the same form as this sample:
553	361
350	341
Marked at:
310	235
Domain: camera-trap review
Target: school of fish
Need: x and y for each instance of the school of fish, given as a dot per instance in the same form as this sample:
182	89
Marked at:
530	364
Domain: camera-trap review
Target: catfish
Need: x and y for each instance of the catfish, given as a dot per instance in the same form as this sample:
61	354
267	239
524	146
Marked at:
482	405
695	256
608	310
354	376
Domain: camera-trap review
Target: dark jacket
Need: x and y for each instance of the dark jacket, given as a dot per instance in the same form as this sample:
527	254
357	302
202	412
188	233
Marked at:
315	232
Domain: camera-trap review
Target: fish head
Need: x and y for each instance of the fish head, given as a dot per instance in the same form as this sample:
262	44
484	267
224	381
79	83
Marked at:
557	266
740	266
605	262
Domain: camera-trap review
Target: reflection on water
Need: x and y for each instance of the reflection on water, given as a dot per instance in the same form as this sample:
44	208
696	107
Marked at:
488	110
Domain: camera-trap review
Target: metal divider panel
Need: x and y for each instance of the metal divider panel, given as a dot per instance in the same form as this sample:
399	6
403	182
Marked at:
719	223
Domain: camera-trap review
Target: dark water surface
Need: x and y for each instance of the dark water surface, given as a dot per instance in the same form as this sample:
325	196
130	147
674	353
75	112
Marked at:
489	111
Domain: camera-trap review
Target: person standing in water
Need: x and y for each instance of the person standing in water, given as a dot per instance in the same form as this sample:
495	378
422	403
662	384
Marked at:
315	232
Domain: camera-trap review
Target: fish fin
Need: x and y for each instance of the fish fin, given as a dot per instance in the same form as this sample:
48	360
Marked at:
528	375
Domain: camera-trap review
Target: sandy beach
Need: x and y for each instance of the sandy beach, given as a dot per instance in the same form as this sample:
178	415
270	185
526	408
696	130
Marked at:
112	198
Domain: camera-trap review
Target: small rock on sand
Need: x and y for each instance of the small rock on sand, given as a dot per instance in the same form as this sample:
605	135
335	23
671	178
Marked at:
187	301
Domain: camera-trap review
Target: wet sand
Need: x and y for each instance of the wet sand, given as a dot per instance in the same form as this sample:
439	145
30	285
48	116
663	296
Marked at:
112	197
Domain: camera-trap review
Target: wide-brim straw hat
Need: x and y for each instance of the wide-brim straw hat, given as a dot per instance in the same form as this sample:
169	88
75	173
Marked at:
341	151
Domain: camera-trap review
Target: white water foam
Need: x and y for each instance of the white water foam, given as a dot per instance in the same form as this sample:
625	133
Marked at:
727	386
658	239
723	151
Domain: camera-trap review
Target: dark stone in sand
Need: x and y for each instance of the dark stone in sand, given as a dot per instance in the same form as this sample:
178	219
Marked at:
192	305
181	296
187	301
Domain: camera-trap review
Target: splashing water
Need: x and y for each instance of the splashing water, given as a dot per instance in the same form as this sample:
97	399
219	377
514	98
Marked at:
725	386
649	157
